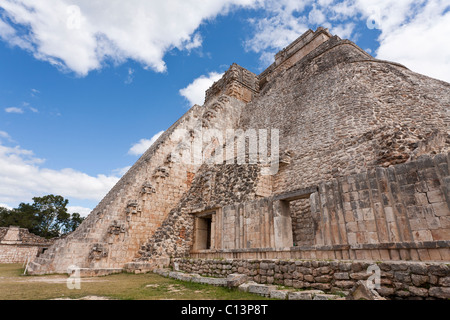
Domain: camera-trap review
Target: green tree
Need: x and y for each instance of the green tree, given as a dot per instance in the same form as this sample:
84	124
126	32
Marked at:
52	213
46	217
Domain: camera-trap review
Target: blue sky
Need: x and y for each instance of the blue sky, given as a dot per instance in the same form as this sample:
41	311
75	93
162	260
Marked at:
86	86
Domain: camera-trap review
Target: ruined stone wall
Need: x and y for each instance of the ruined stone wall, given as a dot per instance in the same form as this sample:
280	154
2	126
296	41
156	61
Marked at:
396	213
340	112
237	82
17	253
399	280
17	245
403	203
3	232
214	187
303	226
134	209
345	119
293	53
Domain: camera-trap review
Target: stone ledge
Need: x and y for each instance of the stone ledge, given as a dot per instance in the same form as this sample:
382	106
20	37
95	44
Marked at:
100	272
365	246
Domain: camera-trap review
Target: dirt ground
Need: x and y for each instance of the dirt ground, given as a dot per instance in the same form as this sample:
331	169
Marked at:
16	286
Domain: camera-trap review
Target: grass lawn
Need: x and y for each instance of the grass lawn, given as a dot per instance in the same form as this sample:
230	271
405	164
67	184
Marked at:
16	286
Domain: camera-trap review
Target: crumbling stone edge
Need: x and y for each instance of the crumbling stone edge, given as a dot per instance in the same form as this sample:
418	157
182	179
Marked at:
240	281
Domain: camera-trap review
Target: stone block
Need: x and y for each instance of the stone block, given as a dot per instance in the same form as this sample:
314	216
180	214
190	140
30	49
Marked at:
389	211
344	284
386	291
359	276
325	297
422	235
445	282
441	234
279	294
341	276
323	279
440	292
321	286
441	209
419	280
304	295
440	270
362	292
235	280
261	289
213	281
435	196
434	254
245	286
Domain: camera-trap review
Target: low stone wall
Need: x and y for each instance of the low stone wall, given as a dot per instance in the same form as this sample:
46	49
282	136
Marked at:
398	280
434	251
17	253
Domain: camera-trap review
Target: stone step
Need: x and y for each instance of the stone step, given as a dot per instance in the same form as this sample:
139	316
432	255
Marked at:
32	267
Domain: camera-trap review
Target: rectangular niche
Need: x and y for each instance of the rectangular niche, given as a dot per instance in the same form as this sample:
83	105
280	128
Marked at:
203	231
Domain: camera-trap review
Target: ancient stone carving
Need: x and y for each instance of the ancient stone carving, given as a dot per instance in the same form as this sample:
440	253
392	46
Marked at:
98	252
170	158
133	207
148	188
286	157
161	172
116	228
233	83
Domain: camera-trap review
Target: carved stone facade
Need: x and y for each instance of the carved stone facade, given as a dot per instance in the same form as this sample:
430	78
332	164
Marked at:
237	82
17	245
362	174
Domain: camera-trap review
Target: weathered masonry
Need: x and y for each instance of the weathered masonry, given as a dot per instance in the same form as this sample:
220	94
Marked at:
395	213
361	172
17	245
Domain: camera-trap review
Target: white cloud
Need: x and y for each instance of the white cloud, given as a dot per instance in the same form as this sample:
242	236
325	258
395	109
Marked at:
121	171
316	16
81	35
84	212
34	92
281	24
139	148
344	31
14	110
417	42
195	91
2	205
23	177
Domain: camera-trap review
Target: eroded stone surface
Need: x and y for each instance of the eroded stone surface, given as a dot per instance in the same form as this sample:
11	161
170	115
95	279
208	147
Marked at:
363	174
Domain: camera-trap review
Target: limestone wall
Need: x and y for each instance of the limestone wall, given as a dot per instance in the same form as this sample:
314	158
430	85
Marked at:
398	280
17	253
214	187
396	213
340	112
136	207
352	130
18	245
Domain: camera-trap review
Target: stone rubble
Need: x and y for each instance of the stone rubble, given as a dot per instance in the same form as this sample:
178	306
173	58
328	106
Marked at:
269	291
